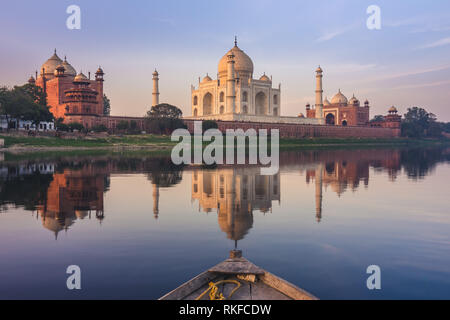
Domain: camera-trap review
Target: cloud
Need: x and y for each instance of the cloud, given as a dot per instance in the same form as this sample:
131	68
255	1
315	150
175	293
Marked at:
422	85
431	29
329	35
439	43
417	72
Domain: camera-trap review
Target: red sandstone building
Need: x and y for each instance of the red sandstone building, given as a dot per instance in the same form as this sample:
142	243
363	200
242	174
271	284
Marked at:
75	97
341	112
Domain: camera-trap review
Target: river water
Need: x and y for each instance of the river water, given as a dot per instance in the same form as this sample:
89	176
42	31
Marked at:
138	226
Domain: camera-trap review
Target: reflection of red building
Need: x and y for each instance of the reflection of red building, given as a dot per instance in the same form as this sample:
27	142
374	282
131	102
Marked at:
344	170
75	97
72	195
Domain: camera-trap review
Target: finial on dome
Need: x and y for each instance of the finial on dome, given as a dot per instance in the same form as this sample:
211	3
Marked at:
235	41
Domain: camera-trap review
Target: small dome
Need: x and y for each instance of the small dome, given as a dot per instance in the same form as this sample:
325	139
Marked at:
393	109
155	73
51	64
339	98
326	102
264	78
354	101
300	115
319	70
243	65
99	71
366	102
81	78
207	78
70	71
31	80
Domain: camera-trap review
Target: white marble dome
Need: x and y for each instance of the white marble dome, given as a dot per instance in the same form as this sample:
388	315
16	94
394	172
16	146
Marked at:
243	65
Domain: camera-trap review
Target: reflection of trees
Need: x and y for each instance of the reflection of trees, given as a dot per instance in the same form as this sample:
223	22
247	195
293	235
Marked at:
419	162
27	191
163	172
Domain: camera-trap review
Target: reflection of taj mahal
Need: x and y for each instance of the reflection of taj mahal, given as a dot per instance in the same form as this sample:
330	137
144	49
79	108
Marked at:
235	193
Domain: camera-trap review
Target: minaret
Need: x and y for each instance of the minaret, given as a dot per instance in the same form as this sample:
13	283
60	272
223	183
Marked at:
99	81
155	200
319	95
318	182
231	90
155	93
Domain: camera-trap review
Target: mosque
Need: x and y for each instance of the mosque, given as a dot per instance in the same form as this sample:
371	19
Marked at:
74	96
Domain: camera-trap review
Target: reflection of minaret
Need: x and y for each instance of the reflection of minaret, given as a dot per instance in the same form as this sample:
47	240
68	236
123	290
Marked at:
318	181
155	200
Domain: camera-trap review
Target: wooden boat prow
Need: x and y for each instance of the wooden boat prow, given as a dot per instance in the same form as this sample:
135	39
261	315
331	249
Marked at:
255	283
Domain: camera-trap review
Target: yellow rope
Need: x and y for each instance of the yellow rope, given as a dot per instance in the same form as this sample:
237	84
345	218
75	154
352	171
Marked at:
214	293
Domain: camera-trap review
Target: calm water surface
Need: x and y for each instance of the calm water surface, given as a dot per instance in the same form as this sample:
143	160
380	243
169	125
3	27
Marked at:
138	226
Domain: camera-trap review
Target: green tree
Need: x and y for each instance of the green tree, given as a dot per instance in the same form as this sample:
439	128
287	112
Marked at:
123	125
209	124
60	125
106	105
27	102
418	123
100	128
76	126
377	118
163	119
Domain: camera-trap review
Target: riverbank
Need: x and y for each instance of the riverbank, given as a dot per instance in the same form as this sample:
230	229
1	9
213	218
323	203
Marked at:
155	143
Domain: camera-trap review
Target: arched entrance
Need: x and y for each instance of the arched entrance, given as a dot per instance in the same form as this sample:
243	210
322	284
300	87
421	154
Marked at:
261	103
207	104
344	123
330	120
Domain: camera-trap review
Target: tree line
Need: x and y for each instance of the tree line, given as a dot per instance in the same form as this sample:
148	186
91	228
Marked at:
419	123
27	102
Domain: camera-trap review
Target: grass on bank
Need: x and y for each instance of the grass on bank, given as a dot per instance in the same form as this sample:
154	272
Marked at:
129	140
160	141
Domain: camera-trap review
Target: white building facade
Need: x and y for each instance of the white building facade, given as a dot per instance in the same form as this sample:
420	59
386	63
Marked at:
236	96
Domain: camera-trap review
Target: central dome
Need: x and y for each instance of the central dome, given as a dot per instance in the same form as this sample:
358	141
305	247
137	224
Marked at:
51	64
243	65
339	98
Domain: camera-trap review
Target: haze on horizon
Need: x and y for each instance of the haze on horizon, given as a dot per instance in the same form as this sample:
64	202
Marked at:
405	64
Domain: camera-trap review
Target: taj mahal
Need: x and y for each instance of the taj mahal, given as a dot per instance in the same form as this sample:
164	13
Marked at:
237	96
